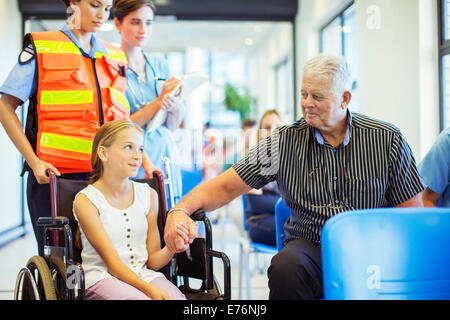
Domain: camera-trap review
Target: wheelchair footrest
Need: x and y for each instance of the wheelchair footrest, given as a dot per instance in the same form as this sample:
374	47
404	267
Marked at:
198	294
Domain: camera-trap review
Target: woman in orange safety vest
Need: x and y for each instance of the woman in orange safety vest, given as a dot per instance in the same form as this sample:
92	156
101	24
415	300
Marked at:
74	82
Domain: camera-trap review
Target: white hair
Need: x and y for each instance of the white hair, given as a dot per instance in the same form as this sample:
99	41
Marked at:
330	67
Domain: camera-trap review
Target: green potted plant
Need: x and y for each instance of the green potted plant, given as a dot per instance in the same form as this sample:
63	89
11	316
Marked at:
238	100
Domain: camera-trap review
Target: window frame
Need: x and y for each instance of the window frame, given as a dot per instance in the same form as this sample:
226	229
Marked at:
340	15
343	22
444	50
284	63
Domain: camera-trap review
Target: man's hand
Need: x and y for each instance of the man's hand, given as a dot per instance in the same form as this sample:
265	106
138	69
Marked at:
176	241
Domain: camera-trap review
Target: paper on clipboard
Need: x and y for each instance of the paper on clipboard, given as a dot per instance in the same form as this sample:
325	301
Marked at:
190	83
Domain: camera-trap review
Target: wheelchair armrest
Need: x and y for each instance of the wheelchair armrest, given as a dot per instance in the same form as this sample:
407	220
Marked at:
226	271
198	215
52	222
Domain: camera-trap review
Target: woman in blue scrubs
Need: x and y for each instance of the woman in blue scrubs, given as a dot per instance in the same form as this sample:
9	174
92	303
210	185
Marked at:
150	90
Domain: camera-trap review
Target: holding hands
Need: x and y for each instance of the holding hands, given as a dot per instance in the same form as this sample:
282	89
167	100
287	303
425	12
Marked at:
180	231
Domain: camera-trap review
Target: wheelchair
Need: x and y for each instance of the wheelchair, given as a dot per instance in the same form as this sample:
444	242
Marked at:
58	275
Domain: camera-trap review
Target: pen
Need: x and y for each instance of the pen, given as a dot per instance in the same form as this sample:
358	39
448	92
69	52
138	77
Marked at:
159	79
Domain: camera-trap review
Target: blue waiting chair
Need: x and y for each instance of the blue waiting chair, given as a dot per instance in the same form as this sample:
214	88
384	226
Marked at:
282	213
387	254
190	179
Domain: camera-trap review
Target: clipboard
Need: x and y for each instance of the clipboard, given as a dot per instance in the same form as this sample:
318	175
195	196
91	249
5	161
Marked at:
190	82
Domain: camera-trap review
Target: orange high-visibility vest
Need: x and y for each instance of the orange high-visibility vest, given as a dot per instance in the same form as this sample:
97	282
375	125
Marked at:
75	96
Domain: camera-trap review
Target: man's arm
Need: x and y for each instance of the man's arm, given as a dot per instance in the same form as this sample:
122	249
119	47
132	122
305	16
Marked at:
430	198
208	196
415	201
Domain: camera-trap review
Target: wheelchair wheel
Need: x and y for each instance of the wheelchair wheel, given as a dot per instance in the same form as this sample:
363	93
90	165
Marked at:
40	274
58	272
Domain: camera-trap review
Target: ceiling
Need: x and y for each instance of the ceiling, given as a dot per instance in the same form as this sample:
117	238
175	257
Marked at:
240	37
266	10
236	26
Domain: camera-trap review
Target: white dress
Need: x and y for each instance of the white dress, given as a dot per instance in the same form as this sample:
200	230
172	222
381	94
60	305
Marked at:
127	229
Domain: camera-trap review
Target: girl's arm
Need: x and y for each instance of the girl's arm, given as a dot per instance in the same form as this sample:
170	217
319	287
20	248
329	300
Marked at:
157	257
88	218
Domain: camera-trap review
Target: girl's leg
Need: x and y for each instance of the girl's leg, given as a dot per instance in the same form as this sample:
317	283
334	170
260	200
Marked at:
114	289
164	284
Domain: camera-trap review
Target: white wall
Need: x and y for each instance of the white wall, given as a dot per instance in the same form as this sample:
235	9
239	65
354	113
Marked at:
10	159
397	79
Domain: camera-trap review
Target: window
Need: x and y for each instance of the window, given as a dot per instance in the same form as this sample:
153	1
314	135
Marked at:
283	83
339	36
444	63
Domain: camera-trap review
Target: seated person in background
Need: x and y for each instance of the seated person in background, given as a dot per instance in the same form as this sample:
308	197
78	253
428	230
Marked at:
260	204
330	161
435	171
118	222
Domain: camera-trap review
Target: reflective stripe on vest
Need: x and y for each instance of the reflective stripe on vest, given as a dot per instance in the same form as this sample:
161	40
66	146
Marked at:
56	141
120	97
45	46
66	97
113	54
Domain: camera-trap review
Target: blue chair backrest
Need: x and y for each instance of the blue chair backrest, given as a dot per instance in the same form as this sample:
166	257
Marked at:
385	254
190	179
244	207
282	213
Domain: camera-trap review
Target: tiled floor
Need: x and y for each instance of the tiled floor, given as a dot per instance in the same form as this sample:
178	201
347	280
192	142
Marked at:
226	238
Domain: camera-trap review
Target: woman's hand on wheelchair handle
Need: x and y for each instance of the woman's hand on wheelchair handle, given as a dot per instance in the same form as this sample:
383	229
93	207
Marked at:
40	168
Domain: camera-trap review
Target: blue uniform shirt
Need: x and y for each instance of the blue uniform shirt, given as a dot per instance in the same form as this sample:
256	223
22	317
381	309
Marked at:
159	141
140	93
21	82
435	168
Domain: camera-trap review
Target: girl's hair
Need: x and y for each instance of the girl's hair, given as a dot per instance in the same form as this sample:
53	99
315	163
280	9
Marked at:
122	8
267	113
105	137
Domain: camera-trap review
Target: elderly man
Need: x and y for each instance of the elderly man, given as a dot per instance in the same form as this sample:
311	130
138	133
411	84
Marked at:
330	161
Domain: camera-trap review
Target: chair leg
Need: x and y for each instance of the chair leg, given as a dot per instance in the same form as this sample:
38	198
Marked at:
248	275
241	265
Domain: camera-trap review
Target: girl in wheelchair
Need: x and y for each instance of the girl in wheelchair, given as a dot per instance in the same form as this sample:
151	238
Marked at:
118	222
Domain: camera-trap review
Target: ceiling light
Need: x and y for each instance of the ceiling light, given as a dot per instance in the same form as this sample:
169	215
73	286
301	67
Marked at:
249	41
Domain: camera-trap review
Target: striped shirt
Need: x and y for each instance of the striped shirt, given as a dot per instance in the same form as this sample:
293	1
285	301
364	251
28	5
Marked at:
373	167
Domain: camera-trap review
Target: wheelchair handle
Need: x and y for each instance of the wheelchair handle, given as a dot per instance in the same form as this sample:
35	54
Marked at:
53	196
53	192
